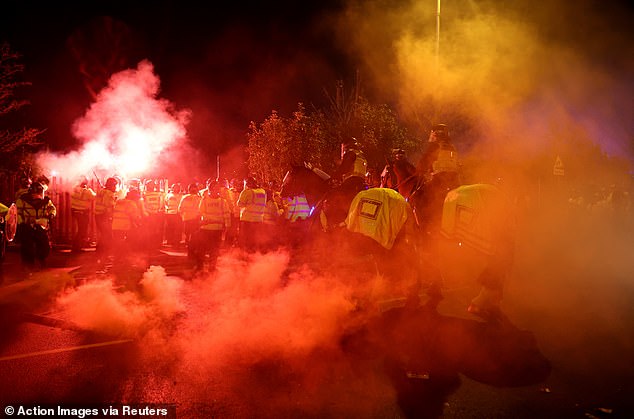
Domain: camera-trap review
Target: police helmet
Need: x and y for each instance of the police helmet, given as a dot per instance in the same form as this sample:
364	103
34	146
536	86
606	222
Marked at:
441	131
213	186
192	188
111	183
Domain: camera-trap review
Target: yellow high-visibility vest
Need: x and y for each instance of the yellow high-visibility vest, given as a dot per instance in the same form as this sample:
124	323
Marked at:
188	207
172	201
215	213
360	166
81	198
252	203
298	208
104	202
31	214
446	161
155	202
126	214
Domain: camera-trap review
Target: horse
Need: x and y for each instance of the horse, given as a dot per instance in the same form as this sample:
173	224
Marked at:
471	225
310	181
399	175
329	202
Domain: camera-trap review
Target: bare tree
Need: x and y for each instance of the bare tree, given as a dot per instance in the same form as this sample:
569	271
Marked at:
13	141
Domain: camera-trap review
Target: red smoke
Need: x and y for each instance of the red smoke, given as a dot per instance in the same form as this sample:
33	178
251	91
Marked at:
125	130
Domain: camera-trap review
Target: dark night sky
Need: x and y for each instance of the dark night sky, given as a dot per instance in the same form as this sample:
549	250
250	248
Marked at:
232	62
224	61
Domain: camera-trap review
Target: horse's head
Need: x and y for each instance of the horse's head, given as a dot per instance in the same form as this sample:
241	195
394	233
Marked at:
306	180
405	177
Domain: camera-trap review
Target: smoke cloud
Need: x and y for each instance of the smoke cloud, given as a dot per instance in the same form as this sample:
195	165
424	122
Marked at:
251	313
128	131
510	79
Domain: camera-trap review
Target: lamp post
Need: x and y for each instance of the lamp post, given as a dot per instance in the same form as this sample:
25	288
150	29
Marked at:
437	33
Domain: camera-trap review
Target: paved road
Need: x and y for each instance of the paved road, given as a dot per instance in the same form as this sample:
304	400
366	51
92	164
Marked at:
268	336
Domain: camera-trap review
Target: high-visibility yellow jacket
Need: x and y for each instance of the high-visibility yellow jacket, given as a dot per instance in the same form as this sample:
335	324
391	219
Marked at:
231	197
359	167
378	213
104	202
155	202
446	159
297	208
188	207
272	212
126	215
20	192
172	201
215	213
36	211
81	198
252	203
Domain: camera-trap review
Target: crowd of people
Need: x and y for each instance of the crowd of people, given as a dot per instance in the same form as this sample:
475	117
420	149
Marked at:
201	217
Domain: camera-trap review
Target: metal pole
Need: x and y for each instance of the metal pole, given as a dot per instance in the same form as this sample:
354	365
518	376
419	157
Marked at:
437	33
217	166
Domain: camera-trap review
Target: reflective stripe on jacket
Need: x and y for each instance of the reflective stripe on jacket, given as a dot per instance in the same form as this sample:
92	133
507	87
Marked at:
215	213
298	208
252	203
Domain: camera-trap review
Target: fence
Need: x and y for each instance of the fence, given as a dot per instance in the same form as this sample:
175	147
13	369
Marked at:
59	190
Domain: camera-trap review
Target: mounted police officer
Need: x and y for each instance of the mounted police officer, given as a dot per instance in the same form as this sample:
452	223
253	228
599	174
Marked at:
351	172
349	179
400	163
438	167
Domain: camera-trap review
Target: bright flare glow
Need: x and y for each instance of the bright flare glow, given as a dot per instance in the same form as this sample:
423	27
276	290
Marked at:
126	130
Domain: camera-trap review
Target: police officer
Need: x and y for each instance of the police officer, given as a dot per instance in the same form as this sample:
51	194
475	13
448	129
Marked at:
351	172
215	214
351	176
80	204
189	212
252	204
104	209
439	168
35	213
173	221
154	199
399	163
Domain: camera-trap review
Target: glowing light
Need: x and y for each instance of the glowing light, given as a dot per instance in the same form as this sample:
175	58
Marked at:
126	130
